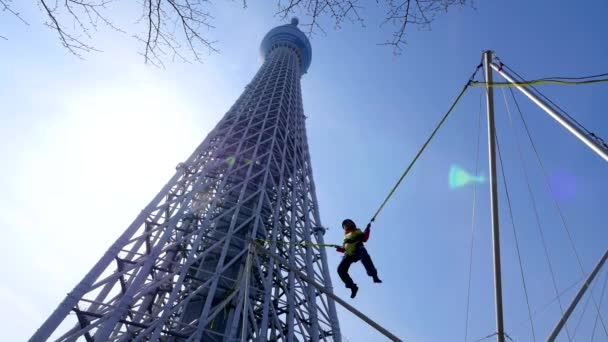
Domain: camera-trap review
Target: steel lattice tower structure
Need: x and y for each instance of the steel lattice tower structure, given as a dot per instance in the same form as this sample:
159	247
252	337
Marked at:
182	271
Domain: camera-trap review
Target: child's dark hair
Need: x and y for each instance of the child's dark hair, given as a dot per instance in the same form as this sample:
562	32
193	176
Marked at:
349	223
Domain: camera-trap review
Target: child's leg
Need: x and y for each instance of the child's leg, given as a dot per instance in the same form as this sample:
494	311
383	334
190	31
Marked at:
343	272
367	262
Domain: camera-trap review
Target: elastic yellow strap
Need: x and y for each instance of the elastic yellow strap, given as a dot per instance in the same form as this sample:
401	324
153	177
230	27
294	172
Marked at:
409	167
305	244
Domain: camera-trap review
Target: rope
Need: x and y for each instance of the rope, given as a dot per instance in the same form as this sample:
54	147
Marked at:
545	306
492	335
485	338
593	135
534	82
521	266
409	167
471	244
537	217
558	207
575	78
601	300
304	244
580	318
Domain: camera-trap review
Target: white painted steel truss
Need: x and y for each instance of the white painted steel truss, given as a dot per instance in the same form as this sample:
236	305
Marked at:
181	271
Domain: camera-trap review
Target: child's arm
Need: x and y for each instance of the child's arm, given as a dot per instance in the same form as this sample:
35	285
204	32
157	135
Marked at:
366	232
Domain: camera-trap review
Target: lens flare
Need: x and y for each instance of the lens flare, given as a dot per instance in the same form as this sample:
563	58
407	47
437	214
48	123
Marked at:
459	177
230	161
563	185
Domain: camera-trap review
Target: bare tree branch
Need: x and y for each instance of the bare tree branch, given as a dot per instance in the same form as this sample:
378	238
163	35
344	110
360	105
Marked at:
166	23
178	29
169	22
5	7
76	9
401	14
337	10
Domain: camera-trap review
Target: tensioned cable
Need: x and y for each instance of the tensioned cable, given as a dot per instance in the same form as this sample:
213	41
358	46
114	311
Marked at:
492	335
535	82
426	143
521	265
471	244
601	299
545	306
547	99
485	338
538	92
580	318
537	217
557	206
575	78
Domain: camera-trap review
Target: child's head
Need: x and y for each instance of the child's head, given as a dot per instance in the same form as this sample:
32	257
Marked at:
348	224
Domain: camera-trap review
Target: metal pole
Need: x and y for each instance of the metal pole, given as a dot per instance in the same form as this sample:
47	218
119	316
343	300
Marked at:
328	293
557	116
487	60
577	298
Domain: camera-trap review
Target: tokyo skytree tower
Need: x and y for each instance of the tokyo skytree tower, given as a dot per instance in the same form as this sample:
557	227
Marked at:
185	269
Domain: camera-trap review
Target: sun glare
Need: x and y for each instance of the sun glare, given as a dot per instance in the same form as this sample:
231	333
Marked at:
103	160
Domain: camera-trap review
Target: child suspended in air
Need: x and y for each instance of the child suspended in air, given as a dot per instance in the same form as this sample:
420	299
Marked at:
354	251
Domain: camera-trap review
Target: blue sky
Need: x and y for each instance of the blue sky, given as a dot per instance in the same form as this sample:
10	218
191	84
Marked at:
86	143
